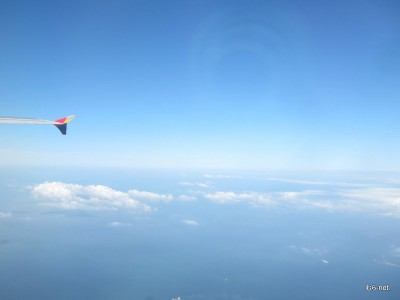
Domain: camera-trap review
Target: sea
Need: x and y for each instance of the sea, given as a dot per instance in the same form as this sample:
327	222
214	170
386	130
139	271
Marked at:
148	234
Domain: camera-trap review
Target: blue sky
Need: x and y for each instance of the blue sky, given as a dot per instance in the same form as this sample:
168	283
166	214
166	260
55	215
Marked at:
202	84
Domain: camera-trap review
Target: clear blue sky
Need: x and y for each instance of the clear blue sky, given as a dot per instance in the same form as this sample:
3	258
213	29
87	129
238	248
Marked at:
220	84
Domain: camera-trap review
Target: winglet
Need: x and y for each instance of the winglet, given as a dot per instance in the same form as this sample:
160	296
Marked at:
61	124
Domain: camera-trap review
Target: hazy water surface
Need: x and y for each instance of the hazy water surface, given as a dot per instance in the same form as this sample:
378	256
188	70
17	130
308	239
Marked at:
118	234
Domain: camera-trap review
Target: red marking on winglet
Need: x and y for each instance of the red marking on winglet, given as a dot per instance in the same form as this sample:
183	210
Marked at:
61	120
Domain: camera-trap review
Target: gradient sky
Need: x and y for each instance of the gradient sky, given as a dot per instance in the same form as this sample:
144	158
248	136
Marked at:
210	84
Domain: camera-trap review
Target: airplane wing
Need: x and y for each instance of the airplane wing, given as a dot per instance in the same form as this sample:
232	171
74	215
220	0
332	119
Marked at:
61	124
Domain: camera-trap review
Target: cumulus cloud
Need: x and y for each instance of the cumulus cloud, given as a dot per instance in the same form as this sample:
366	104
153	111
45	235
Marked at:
256	198
150	196
296	196
327	196
5	215
298	199
231	197
85	197
381	200
224	197
384	201
190	222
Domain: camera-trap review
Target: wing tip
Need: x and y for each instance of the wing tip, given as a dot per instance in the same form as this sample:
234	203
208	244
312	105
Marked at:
62	123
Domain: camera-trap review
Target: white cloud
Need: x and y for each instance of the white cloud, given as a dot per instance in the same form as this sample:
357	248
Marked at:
116	224
311	251
385	262
296	196
150	196
227	197
307	250
191	222
324	261
256	199
198	184
316	182
5	215
382	200
385	201
85	197
261	198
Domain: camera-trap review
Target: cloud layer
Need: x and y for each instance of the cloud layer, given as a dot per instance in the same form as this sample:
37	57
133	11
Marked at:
353	198
92	197
384	201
